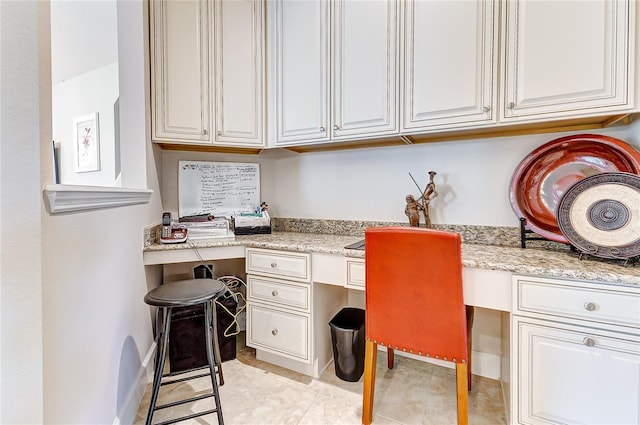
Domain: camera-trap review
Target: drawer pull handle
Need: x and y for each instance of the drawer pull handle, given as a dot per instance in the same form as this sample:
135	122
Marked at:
274	264
274	293
589	342
274	332
589	306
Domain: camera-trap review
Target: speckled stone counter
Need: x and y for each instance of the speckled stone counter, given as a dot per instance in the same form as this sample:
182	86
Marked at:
531	261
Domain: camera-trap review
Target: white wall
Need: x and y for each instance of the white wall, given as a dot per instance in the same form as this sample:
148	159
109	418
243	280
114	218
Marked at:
21	277
75	329
633	134
370	184
94	91
84	36
97	329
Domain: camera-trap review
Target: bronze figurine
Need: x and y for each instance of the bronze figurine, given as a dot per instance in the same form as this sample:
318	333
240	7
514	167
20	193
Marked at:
413	207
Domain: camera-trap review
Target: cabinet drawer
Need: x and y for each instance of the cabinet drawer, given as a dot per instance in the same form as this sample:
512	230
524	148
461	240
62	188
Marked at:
292	265
279	332
616	305
278	292
355	273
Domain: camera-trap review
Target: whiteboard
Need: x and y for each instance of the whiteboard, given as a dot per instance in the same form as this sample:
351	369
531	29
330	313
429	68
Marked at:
218	188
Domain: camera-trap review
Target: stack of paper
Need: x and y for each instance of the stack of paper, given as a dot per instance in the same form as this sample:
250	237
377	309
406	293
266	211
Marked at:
218	228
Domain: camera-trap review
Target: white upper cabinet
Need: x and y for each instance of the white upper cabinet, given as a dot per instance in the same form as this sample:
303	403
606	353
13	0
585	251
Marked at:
342	70
365	56
336	70
180	77
208	56
239	71
449	64
302	73
567	58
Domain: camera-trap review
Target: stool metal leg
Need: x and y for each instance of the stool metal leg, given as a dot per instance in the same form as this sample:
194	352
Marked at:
211	359
161	319
160	358
216	345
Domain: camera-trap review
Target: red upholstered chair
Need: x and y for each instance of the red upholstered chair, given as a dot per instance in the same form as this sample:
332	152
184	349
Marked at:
414	303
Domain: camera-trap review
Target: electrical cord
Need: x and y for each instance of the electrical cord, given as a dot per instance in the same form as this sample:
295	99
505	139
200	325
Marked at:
233	286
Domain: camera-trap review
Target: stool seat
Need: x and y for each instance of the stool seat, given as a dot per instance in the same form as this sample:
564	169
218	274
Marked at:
184	293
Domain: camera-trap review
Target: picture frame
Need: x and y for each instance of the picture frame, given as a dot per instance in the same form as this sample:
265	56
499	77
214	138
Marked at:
86	143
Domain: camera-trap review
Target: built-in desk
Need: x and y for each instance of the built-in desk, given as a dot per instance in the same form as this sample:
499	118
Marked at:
498	280
561	264
486	274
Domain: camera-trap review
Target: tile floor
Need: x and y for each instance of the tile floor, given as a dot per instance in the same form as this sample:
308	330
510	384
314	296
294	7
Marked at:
256	392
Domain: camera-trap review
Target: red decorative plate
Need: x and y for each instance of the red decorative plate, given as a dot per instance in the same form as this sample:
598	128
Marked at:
543	176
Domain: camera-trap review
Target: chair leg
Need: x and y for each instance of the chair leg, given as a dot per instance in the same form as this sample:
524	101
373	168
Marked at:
212	360
390	357
370	356
470	310
461	394
469	365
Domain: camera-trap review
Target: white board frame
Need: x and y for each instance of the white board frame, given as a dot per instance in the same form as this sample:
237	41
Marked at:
218	188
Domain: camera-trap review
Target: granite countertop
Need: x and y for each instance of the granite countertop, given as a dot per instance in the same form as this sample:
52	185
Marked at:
530	261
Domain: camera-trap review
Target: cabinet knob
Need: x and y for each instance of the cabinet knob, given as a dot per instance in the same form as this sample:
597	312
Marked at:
274	332
274	264
589	306
204	132
274	293
486	108
322	129
219	133
336	127
511	105
589	342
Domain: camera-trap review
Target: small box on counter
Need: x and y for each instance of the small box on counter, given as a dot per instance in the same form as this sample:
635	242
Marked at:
252	224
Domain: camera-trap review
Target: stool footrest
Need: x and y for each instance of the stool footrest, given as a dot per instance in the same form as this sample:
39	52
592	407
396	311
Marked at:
182	372
186	400
188	378
183	418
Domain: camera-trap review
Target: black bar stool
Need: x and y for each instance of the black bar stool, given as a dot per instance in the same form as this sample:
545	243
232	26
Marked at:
182	294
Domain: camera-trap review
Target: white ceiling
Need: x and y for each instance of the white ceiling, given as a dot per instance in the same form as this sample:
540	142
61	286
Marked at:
84	37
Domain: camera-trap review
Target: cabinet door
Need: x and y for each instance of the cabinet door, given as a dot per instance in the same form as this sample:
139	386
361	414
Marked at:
239	72
449	58
180	70
574	375
566	58
365	48
302	70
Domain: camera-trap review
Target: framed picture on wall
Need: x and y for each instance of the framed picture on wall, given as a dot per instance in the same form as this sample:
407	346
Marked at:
86	135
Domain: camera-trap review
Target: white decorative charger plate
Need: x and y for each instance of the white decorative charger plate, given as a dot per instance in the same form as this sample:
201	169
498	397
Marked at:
600	215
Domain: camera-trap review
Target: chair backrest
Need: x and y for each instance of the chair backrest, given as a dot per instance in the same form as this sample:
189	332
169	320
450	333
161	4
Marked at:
414	299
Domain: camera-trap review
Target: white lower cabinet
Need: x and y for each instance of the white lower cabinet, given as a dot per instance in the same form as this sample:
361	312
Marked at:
572	360
287	316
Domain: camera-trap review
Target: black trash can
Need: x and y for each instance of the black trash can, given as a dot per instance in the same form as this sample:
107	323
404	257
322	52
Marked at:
347	337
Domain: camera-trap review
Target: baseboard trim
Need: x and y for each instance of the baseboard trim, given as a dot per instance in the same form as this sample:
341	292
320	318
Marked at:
127	414
482	364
